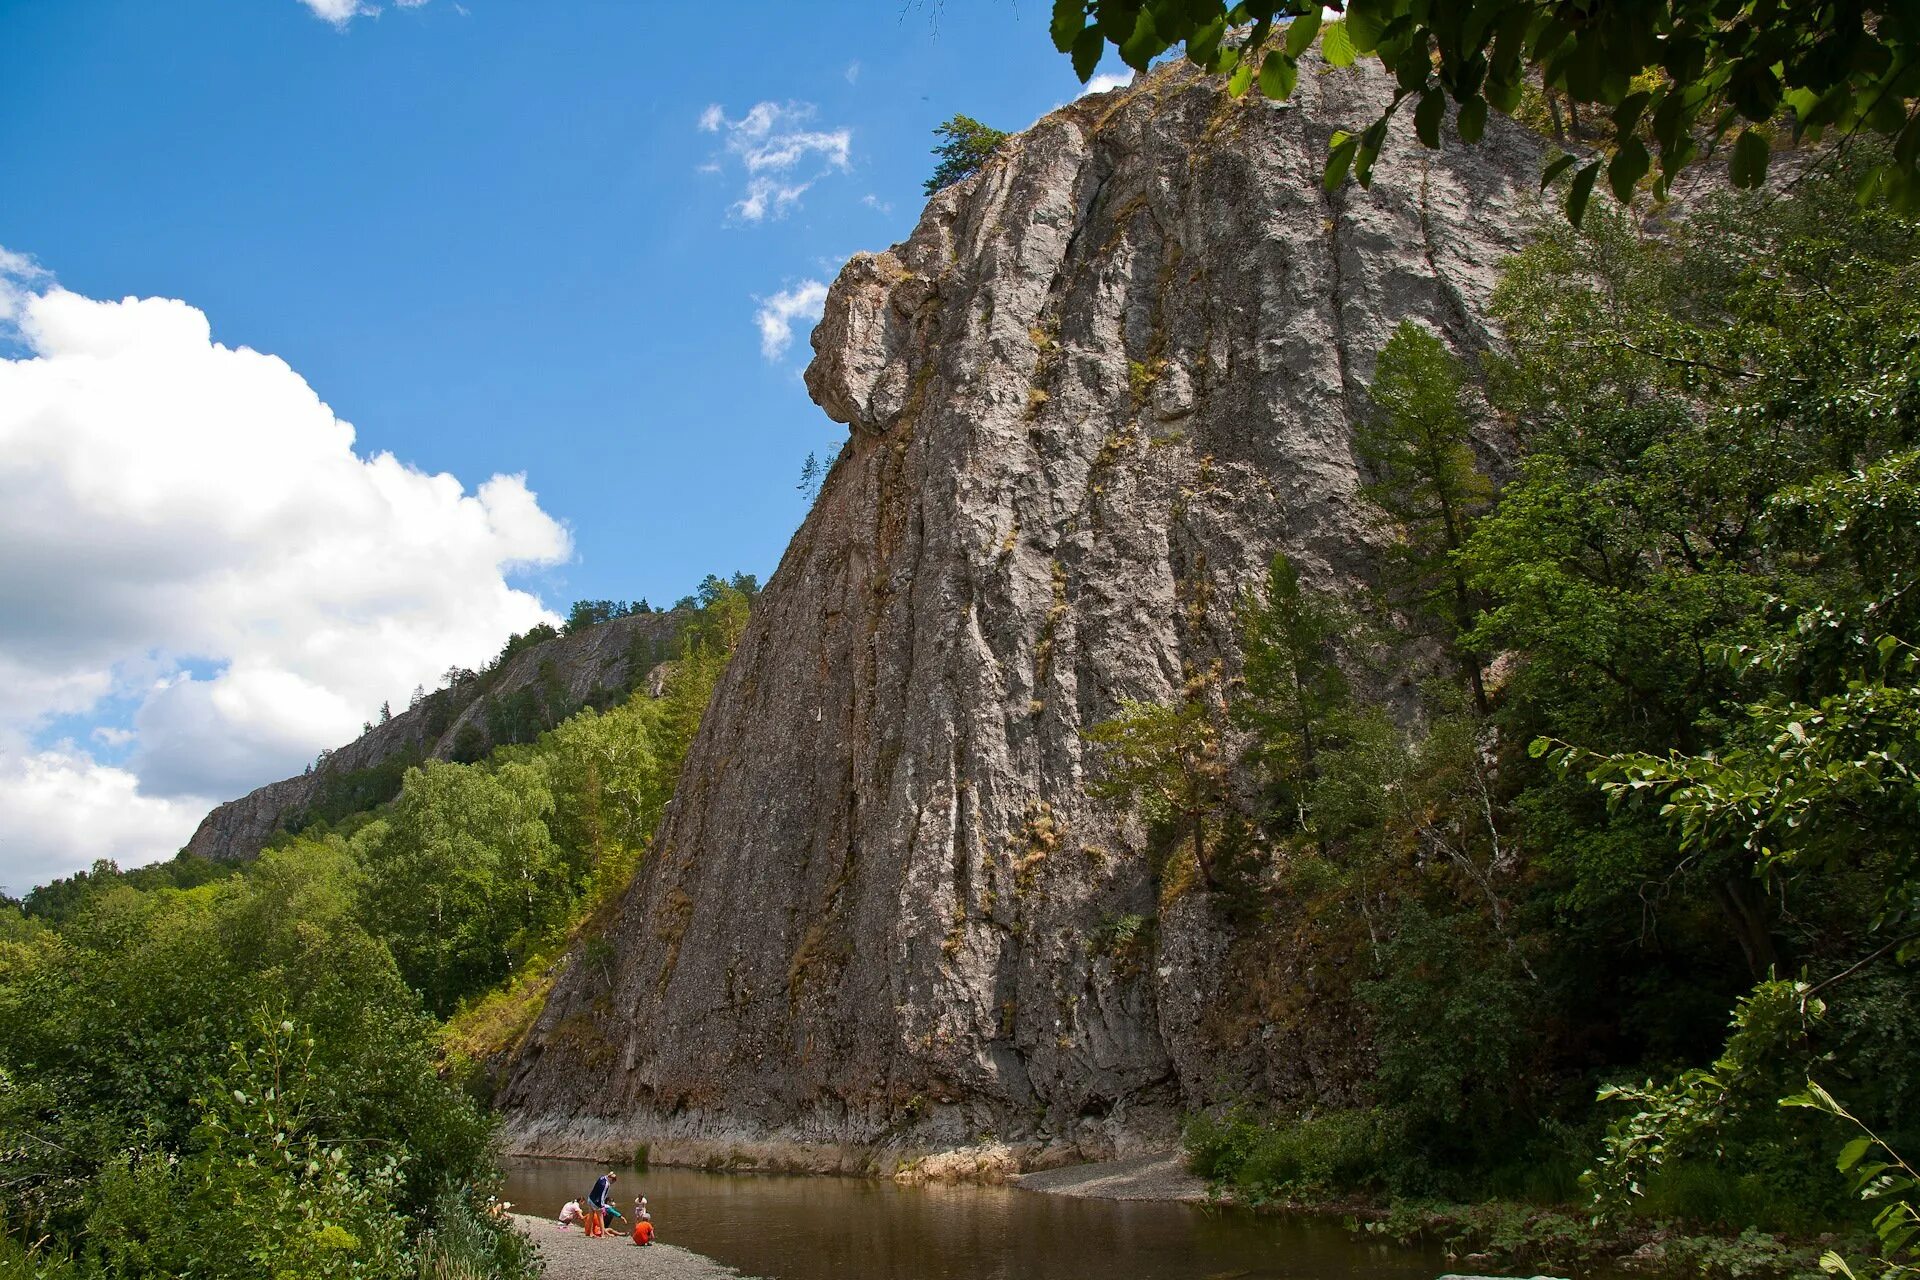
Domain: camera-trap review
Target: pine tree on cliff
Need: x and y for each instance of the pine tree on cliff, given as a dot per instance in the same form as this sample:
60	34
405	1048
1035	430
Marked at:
1418	447
969	144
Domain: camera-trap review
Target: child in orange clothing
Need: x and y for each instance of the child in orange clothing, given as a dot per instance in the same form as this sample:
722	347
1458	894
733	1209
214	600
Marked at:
642	1231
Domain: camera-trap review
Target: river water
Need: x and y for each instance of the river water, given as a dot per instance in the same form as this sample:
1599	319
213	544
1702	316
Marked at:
825	1228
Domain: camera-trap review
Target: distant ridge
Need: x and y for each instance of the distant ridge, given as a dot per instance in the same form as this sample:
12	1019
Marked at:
531	690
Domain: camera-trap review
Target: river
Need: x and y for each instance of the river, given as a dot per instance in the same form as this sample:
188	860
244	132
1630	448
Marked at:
825	1228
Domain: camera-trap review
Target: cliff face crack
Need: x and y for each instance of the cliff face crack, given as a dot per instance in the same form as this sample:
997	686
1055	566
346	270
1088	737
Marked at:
1066	457
1463	327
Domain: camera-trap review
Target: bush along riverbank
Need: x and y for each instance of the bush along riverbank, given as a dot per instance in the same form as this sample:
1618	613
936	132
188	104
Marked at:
1696	1219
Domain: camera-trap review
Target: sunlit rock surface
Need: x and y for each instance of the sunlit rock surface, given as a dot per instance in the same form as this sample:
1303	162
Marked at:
1102	383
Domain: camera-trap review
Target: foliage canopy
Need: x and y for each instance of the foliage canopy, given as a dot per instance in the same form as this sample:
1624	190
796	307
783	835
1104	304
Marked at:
1678	78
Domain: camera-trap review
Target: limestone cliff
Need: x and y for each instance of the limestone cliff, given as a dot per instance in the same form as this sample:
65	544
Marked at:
558	675
1101	384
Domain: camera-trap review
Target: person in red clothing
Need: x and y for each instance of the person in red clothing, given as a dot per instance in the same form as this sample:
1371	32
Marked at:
642	1231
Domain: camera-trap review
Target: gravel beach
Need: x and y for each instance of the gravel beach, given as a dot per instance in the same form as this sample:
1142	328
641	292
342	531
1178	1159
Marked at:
570	1255
1161	1176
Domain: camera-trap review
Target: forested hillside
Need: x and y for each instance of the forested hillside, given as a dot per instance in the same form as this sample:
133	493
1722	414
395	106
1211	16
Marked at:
599	657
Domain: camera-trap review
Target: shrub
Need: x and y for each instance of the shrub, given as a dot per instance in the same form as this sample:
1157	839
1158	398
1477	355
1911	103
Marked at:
1333	1152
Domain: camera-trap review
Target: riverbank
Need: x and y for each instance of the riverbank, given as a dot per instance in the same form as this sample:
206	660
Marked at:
570	1254
1156	1176
1492	1234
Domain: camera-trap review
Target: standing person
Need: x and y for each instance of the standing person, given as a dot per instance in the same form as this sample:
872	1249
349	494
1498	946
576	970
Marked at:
596	1205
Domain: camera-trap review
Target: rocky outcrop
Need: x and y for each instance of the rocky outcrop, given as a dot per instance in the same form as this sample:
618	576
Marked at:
560	675
1101	384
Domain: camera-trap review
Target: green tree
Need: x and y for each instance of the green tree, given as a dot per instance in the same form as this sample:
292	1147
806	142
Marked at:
968	145
1294	696
1418	447
112	1103
1675	78
465	880
255	1190
1168	759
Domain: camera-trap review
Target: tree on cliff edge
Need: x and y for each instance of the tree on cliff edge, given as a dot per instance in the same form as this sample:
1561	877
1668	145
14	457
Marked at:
969	144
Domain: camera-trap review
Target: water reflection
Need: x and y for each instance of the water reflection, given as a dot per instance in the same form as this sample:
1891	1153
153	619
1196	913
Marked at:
816	1228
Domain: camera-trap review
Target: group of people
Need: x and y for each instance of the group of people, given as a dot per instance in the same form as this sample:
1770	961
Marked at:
599	1212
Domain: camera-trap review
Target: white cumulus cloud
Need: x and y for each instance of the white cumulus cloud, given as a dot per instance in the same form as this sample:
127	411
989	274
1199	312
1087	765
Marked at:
777	315
192	549
1102	83
342	12
62	810
778	152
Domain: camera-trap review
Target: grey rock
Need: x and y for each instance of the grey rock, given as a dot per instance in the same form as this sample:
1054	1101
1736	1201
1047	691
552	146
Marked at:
1101	384
575	667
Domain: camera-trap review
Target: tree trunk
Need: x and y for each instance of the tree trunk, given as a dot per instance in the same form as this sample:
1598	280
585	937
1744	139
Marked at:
1200	849
1748	918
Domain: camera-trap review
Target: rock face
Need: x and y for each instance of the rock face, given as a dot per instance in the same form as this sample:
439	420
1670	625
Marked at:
1103	382
564	673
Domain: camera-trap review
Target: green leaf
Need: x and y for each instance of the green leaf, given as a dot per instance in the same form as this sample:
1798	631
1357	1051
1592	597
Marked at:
1069	19
1630	164
1851	1153
1340	159
1370	143
1278	75
1365	26
1627	114
1143	44
1335	45
1906	147
1750	156
1504	95
1581	192
1472	120
1301	31
1427	117
1554	170
1241	80
1816	1097
1203	47
1087	48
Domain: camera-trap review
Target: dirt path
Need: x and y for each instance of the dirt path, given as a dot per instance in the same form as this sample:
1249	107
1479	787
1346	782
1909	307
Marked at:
570	1255
1152	1177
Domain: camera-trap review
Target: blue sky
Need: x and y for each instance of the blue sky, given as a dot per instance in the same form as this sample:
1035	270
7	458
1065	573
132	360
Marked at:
496	239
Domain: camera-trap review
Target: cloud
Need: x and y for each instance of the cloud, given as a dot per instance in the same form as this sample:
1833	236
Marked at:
772	144
207	565
63	810
875	203
853	72
766	195
776	317
1102	83
342	12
